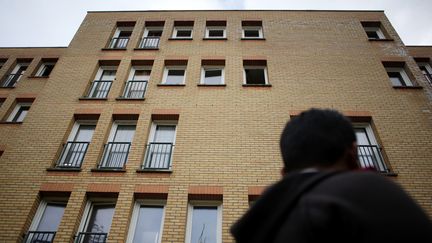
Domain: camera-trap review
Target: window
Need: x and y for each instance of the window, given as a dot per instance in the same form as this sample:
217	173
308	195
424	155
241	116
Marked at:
19	112
174	75
215	30
255	72
252	30
160	147
183	30
137	82
369	152
152	34
46	221
101	86
398	76
117	149
147	222
2	62
75	148
121	35
204	222
12	79
96	222
45	69
373	30
426	69
212	75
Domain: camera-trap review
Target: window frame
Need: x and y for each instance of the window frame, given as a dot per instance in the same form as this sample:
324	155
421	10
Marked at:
177	28
260	32
42	67
375	29
134	218
115	125
176	67
403	73
209	28
75	128
41	210
426	65
204	68
255	67
152	28
198	203
119	29
138	68
16	109
89	209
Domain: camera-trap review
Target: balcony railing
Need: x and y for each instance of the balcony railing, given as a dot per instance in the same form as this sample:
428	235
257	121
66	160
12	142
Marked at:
149	42
99	89
39	237
10	80
134	89
115	155
370	157
72	155
91	237
158	156
118	43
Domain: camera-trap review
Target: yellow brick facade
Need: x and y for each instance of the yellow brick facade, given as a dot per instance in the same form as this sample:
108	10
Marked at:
227	136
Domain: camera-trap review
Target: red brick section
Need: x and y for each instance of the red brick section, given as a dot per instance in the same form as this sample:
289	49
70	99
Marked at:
176	62
87	114
205	193
151	191
126	114
255	191
165	114
215	62
393	59
56	187
99	187
26	97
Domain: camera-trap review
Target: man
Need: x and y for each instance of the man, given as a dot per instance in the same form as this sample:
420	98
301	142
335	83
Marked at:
323	195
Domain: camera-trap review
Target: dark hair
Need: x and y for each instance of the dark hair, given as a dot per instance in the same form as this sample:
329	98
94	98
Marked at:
315	137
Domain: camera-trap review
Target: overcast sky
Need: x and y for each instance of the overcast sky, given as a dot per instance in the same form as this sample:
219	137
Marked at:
54	22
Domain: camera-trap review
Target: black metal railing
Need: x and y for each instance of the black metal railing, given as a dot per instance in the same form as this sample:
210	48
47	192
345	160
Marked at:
118	43
135	89
151	42
370	157
91	237
10	80
39	237
158	156
99	89
115	155
428	77
72	155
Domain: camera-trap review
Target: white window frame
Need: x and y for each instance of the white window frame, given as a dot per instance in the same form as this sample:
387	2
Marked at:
369	131
162	122
135	68
259	28
115	125
41	209
134	219
210	67
103	68
198	203
255	67
76	126
167	68
403	73
152	28
208	28
89	209
426	65
122	28
177	28
16	109
377	30
42	67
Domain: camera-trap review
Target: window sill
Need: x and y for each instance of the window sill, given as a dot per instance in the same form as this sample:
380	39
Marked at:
131	99
2	87
392	174
164	171
211	85
180	39
174	85
381	39
146	49
88	98
12	123
63	169
257	85
113	49
116	170
218	38
408	87
261	39
38	77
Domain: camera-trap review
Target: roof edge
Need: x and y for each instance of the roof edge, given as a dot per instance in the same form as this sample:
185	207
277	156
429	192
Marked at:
231	10
418	46
28	47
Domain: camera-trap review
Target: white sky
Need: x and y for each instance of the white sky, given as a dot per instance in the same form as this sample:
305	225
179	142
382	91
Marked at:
54	22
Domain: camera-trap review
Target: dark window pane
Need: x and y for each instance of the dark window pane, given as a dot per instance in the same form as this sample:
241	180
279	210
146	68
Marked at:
47	70
124	34
396	78
175	76
213	77
204	225
148	225
216	33
251	33
21	114
155	33
184	33
255	76
372	34
51	217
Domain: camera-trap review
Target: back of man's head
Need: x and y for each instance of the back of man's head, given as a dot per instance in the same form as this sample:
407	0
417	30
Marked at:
316	138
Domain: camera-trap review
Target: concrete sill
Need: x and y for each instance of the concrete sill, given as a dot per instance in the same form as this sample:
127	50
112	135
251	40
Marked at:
172	85
11	123
131	99
88	98
108	170
257	85
38	77
1	87
211	85
391	174
219	38
113	49
181	39
63	169
408	87
260	39
381	39
153	171
146	49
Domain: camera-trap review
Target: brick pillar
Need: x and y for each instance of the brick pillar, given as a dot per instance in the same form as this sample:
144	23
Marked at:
122	214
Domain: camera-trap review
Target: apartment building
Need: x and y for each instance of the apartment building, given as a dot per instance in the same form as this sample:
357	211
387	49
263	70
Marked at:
163	126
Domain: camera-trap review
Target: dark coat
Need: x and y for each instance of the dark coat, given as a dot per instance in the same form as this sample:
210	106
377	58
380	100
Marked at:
334	207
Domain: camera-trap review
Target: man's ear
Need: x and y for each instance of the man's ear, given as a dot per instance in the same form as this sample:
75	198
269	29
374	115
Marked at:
352	157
